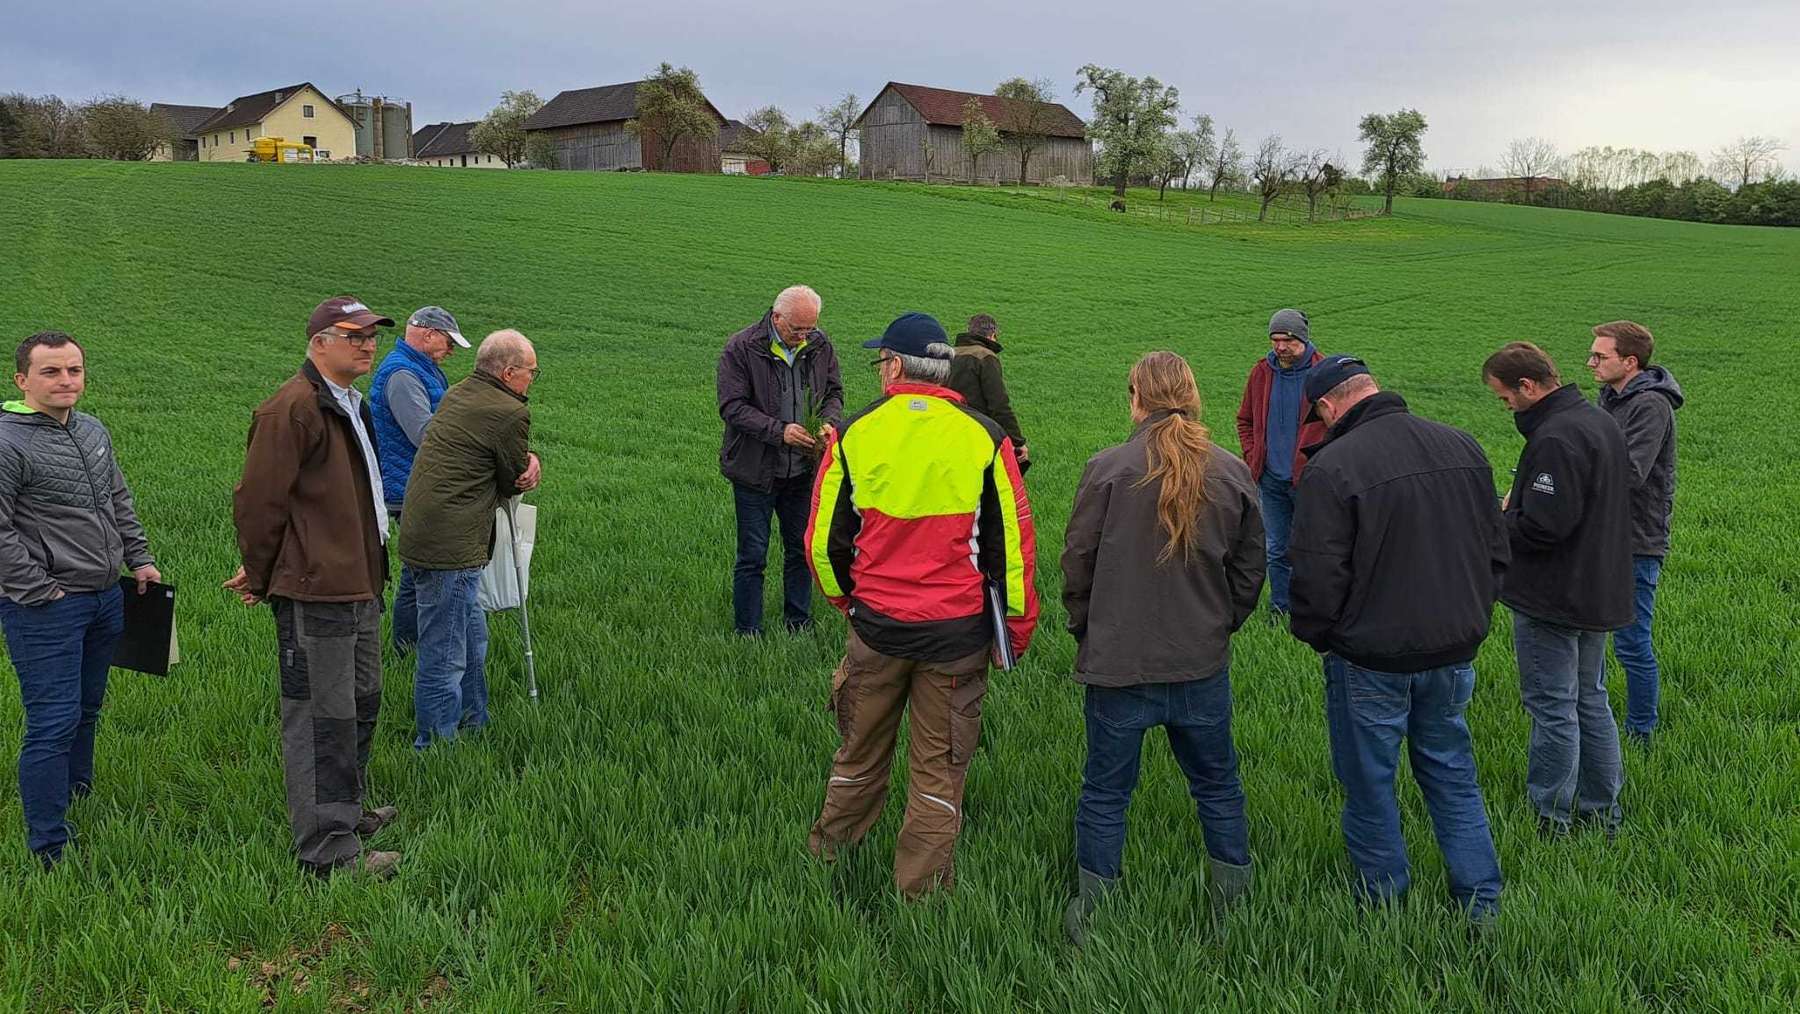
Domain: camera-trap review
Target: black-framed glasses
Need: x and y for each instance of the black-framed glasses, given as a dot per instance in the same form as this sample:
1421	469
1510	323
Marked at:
878	362
369	337
533	370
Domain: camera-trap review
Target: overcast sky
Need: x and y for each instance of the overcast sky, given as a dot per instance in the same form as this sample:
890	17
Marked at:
1651	74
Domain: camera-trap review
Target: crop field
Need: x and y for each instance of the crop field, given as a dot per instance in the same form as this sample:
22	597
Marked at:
636	839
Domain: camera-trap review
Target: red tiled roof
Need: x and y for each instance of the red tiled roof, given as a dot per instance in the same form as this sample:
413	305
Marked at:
944	107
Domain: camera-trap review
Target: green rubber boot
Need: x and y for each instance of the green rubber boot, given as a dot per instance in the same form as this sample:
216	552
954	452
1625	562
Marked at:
1226	886
1093	890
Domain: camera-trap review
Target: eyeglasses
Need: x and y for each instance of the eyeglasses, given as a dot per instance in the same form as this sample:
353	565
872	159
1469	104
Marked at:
1597	357
533	370
369	337
877	363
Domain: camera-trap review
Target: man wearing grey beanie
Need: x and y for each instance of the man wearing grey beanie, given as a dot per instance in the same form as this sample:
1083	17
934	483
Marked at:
1273	432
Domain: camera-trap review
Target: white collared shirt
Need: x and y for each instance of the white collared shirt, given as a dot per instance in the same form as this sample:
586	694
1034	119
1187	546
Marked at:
351	400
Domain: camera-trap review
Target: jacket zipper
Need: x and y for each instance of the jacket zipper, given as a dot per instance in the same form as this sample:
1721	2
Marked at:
87	472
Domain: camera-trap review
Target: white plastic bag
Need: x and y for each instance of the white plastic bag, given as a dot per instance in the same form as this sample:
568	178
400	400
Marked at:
500	589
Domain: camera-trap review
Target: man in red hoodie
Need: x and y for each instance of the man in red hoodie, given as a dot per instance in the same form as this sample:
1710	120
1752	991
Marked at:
1273	433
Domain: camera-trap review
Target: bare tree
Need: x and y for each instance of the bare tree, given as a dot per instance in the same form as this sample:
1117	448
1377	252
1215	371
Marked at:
1316	176
1747	158
1680	166
839	121
1272	169
43	126
1227	164
1026	118
1529	159
122	129
1189	150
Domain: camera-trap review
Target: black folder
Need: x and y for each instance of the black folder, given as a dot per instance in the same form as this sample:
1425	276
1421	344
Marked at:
149	641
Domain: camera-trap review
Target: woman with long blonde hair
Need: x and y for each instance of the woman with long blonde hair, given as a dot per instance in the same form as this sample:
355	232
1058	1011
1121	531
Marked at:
1163	561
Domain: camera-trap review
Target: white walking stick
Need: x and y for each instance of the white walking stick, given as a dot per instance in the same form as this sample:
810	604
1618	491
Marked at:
512	523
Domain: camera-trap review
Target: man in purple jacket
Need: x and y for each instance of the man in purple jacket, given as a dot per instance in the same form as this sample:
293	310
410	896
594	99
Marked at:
772	376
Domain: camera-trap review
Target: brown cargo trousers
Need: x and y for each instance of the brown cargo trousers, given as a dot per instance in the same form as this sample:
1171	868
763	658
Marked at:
869	692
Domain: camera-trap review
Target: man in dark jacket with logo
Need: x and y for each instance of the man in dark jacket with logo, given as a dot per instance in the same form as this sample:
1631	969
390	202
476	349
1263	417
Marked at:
1642	399
312	529
403	393
476	455
1568	520
1274	430
67	528
1398	555
975	374
772	376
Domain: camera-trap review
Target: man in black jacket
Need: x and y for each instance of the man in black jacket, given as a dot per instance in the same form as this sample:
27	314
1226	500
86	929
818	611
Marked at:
1397	551
772	376
1642	399
1568	519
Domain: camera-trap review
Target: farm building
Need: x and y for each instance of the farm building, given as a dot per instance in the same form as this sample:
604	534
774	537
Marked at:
1500	188
911	132
383	125
183	145
586	128
448	145
734	159
298	113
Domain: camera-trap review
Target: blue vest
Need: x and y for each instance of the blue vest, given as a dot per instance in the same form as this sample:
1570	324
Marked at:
396	450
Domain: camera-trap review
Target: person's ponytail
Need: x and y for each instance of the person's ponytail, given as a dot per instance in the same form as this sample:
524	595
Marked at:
1178	447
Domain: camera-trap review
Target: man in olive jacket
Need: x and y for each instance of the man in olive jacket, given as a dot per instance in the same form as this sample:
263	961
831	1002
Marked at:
975	374
476	454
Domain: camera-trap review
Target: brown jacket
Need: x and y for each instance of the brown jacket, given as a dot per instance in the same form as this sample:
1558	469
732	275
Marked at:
304	512
1140	621
477	446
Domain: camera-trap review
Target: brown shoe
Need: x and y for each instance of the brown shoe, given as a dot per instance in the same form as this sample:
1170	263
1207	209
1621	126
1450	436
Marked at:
380	865
374	820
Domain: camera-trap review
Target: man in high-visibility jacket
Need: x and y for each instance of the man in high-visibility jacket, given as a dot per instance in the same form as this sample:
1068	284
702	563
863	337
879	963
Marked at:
919	528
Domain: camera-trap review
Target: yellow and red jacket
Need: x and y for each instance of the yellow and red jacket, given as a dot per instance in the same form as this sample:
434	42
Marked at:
917	508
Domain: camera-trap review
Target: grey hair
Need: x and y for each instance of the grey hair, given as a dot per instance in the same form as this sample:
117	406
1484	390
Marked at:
931	368
1351	387
501	349
794	297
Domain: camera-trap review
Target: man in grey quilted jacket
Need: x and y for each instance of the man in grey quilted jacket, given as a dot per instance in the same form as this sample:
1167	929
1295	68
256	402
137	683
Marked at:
67	530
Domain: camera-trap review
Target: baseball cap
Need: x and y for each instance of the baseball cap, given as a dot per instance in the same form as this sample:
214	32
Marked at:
437	319
1328	373
910	335
345	311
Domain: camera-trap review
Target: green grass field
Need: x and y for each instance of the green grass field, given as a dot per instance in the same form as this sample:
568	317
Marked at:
635	841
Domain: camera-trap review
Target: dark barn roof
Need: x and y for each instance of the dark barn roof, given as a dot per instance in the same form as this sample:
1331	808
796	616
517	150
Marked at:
248	109
734	133
602	104
944	107
185	119
439	140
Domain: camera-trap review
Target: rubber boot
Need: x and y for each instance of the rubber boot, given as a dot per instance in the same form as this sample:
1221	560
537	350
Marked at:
1226	885
1092	891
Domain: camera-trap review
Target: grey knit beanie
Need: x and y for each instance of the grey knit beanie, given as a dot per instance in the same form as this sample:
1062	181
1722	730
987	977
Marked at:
1290	322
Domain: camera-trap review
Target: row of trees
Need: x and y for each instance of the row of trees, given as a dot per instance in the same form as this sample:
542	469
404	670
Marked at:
1747	184
111	126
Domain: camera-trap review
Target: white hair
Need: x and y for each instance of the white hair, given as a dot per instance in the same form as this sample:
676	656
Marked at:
931	368
796	297
501	349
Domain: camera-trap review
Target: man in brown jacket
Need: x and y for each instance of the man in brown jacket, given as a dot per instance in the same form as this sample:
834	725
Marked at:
975	374
475	455
312	531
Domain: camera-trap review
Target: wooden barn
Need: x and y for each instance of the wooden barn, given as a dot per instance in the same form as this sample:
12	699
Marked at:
586	126
896	129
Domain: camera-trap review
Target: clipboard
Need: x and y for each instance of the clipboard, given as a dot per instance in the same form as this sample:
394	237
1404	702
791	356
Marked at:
148	644
1003	658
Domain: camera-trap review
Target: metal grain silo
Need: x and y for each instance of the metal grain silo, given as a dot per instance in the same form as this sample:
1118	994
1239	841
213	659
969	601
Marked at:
383	125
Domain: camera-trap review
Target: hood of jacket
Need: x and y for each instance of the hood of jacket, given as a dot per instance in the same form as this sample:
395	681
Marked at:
1560	400
1656	378
969	339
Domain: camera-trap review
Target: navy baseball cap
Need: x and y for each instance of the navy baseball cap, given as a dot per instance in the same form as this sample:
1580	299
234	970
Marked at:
1328	373
910	335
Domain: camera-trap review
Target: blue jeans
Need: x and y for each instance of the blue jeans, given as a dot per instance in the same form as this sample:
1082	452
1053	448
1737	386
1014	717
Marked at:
1643	679
1367	713
1197	716
61	650
1278	517
1574	769
450	686
406	600
789	502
